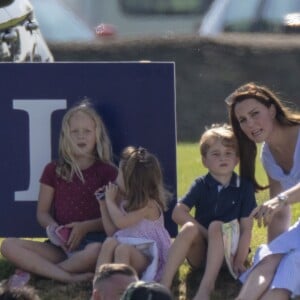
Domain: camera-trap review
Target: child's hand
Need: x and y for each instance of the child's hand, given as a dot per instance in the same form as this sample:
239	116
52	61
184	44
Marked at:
100	194
111	192
238	267
77	234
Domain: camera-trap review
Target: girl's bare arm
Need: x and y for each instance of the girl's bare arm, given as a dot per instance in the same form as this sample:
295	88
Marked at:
45	199
108	225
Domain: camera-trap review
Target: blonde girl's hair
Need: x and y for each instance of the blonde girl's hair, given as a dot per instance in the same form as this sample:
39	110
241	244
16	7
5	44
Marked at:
248	148
67	165
218	132
143	179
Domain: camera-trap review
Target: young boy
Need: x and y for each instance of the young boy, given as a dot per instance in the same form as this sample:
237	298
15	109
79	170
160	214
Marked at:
218	197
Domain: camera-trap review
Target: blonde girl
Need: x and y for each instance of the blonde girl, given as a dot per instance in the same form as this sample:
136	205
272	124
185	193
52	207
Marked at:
132	211
66	197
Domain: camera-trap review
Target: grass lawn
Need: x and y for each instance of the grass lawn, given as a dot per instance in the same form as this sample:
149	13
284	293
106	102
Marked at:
188	168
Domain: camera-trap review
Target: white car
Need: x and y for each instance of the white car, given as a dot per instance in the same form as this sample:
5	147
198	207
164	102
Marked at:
59	23
20	37
247	16
140	19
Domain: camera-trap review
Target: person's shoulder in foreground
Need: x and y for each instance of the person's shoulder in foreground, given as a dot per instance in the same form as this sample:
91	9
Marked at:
147	290
111	280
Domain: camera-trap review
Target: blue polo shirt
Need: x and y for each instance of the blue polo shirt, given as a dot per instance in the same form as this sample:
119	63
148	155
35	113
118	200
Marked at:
214	202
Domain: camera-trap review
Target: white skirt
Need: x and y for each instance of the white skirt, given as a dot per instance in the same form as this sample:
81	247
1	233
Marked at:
149	248
287	275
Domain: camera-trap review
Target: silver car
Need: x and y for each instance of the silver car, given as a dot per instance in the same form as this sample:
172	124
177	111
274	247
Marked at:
65	27
20	37
267	16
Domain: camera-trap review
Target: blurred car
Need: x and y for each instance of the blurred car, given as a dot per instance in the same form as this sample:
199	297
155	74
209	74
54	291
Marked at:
59	23
247	16
291	23
144	18
20	37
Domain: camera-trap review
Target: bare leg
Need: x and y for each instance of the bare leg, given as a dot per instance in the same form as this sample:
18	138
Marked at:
280	223
36	257
260	278
286	278
276	294
82	261
128	254
46	250
107	252
215	257
190	243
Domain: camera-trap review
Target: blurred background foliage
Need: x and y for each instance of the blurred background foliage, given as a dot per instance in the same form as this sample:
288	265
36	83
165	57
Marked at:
208	69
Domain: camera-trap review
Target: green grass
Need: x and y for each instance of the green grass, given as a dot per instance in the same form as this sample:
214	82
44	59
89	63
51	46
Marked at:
189	167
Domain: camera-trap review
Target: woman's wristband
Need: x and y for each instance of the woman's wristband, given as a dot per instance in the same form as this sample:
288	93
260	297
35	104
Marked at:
283	198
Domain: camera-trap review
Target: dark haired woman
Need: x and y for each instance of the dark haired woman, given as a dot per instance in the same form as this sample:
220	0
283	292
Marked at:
257	115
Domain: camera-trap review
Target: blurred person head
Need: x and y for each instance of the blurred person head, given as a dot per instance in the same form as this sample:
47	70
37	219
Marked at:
111	280
147	291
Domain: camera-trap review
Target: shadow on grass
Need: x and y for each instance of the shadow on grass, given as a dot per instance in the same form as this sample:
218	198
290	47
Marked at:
6	269
50	289
184	286
226	287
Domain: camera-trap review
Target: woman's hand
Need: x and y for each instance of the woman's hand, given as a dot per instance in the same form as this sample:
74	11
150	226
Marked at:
265	212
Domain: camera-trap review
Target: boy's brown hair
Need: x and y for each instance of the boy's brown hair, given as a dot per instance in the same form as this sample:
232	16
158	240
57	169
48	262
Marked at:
221	132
